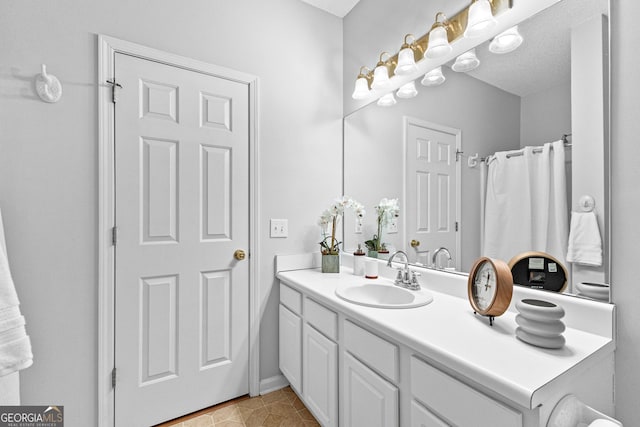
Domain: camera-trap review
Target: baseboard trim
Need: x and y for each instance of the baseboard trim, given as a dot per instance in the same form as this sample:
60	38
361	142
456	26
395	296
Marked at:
274	383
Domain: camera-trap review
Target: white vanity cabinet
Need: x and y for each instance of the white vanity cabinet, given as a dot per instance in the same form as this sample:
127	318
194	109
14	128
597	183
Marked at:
355	366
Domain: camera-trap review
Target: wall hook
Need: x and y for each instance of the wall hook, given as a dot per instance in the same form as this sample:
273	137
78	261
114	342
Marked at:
472	161
48	86
587	203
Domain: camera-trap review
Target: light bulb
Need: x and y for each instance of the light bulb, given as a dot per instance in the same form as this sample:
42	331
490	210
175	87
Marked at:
438	45
506	42
466	62
480	19
387	100
406	62
380	77
361	90
408	90
433	77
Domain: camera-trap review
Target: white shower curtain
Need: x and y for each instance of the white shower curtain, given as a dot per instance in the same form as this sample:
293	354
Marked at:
526	203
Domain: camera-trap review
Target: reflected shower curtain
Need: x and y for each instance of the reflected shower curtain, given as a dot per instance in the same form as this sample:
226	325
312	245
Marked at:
526	203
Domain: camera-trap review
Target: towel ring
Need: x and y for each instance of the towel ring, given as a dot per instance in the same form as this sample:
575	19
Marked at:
587	203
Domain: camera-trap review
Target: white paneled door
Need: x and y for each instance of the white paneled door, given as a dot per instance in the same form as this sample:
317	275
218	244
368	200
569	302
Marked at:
182	212
431	190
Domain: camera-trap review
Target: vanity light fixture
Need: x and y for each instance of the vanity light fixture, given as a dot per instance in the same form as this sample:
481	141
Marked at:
361	90
480	18
438	38
433	77
408	90
466	62
381	73
507	41
387	100
473	20
407	58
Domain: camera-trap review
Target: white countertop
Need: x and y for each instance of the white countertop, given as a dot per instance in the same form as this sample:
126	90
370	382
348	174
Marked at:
448	333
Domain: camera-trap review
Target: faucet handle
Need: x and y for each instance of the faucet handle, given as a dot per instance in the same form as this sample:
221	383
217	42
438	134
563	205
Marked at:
399	275
413	284
414	280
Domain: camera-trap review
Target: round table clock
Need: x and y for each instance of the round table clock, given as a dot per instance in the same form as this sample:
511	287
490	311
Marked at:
490	287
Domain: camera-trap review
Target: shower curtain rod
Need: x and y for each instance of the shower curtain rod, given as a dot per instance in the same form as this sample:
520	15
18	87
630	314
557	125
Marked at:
564	139
475	159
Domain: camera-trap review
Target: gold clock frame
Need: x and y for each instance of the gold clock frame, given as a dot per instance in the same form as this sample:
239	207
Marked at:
504	284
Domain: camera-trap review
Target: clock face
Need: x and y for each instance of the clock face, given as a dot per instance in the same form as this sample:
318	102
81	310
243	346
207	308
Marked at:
484	286
490	287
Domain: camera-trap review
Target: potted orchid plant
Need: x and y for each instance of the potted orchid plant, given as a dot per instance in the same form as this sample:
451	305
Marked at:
387	210
330	246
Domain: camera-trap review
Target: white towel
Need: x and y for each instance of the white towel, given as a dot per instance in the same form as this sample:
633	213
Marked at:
585	244
15	345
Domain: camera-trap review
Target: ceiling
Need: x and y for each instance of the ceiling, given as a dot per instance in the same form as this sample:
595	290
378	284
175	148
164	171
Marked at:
336	7
542	61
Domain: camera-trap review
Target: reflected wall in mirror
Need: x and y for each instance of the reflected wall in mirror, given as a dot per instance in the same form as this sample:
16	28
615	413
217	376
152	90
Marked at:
528	97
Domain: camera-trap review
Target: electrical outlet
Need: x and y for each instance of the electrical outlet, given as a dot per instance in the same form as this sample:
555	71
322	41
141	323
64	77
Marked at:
358	229
279	228
392	227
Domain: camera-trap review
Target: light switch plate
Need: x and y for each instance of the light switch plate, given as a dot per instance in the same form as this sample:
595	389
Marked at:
279	228
392	227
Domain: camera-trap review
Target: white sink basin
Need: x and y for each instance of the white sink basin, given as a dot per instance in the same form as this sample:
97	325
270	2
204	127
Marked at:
383	295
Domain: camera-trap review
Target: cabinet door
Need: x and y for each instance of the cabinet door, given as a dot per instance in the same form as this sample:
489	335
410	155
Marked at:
320	376
368	400
290	347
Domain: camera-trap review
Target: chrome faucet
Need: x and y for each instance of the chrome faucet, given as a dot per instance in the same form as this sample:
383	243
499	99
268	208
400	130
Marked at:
405	277
436	253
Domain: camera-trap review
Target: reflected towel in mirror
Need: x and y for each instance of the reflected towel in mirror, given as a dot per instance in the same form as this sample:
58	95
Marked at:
585	244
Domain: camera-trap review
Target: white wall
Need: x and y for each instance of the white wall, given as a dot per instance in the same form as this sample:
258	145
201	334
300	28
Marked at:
545	116
625	203
48	155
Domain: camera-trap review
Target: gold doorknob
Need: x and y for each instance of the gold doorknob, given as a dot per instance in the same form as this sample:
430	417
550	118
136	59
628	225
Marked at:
415	243
239	255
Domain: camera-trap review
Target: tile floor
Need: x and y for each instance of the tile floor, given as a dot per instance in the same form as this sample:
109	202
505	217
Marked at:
280	408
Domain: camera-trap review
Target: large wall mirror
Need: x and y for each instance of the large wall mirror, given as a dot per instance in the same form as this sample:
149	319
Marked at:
533	95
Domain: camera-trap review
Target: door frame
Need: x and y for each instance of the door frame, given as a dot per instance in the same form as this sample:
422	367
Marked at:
406	122
107	48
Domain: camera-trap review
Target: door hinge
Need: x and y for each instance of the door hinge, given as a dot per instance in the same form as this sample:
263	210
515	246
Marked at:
114	85
114	236
459	154
113	377
457	226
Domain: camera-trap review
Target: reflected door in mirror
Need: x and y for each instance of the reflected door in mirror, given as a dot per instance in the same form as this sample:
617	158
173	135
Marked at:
431	189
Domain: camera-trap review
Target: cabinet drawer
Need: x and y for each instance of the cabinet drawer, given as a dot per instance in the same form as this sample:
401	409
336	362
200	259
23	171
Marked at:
422	417
456	402
321	318
376	352
291	298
